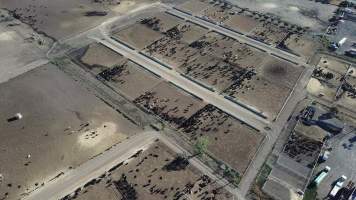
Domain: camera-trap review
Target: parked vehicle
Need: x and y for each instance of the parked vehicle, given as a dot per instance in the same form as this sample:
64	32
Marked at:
322	175
338	186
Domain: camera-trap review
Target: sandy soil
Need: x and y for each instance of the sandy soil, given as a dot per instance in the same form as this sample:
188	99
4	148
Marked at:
62	126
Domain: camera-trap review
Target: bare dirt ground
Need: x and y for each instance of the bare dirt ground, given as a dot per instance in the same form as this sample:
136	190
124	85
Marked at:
262	95
215	13
139	41
63	126
241	23
302	45
280	72
170	103
230	50
304	13
189	32
229	139
212	71
65	18
132	80
333	64
98	57
194	6
146	177
269	33
171	51
20	47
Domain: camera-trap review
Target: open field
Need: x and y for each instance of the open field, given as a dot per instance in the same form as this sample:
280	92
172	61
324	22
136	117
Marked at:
131	79
230	50
171	51
67	17
212	71
97	57
139	41
333	64
242	23
301	45
194	6
230	140
187	32
269	33
215	13
63	126
280	72
149	175
20	48
260	94
170	103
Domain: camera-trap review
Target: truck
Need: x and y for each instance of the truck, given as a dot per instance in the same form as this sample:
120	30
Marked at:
337	186
334	46
321	175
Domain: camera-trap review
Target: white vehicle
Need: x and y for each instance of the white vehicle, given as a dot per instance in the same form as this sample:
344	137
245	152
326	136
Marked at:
338	186
322	175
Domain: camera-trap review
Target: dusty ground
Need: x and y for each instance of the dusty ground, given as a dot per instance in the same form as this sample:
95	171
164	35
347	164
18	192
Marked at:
20	47
269	33
241	23
333	64
302	45
62	126
194	6
139	41
66	18
304	13
171	51
230	140
212	71
215	13
261	95
280	72
97	57
147	176
170	103
189	32
133	80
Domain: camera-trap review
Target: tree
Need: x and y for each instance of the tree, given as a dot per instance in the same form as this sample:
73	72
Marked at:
201	146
